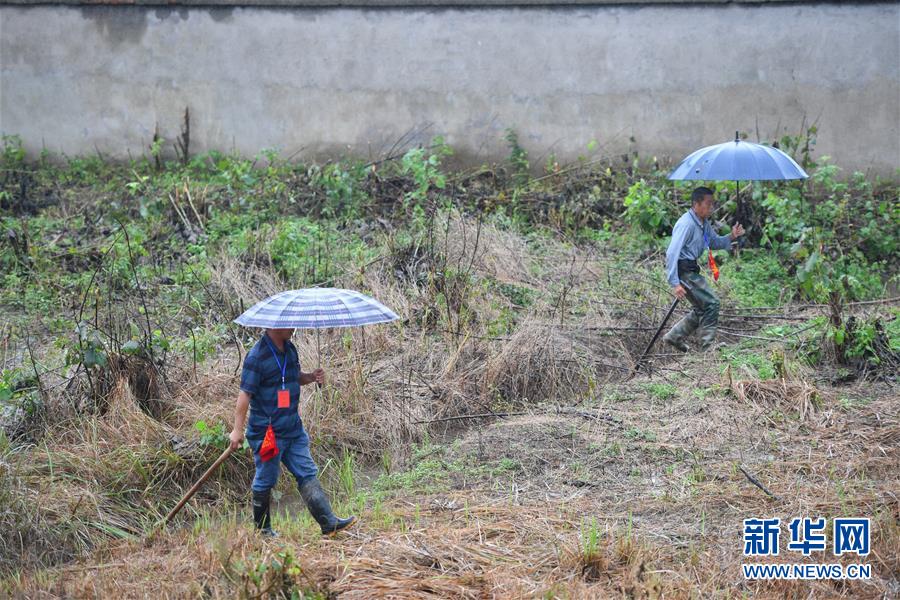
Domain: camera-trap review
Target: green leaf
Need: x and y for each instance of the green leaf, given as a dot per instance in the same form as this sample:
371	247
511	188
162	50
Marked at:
131	347
839	335
93	357
811	262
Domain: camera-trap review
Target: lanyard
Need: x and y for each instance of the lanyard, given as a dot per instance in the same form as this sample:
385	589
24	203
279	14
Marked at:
702	229
281	366
712	261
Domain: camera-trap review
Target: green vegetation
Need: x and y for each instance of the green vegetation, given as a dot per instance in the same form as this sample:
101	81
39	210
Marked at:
756	278
661	391
591	551
746	362
650	209
432	472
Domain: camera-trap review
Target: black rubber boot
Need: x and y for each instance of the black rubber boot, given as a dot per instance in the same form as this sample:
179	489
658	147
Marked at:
676	343
261	513
682	329
320	508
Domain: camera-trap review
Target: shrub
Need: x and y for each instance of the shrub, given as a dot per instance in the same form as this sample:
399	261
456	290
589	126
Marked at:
646	209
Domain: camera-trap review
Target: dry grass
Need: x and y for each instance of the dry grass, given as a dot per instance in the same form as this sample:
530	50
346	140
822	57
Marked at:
244	279
538	364
443	546
782	393
100	477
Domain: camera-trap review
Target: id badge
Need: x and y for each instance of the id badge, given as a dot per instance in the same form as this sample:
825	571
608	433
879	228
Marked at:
284	398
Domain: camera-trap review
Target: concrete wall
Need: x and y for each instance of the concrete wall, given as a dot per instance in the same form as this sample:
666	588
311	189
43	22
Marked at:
325	81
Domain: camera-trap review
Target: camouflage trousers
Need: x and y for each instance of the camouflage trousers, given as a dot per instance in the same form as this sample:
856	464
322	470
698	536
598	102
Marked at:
704	314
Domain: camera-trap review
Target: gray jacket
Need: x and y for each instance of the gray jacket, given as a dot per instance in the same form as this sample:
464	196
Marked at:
688	244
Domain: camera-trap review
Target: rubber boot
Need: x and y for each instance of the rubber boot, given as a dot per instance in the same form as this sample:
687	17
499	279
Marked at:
320	508
261	514
681	330
707	337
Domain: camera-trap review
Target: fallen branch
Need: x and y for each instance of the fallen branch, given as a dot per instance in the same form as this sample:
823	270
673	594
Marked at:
478	416
751	337
558	411
95	567
730	315
587	415
756	482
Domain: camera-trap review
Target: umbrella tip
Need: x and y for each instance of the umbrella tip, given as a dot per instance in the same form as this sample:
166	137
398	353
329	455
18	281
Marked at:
737	137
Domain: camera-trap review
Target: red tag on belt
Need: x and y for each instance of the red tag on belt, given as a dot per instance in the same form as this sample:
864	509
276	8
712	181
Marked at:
284	398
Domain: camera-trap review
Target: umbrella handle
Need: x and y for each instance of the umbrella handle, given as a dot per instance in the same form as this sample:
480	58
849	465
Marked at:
318	356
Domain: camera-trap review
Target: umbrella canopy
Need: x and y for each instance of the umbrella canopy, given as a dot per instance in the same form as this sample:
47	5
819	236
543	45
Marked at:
738	161
316	308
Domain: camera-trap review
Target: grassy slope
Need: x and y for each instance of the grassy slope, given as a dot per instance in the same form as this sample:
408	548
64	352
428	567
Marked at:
599	487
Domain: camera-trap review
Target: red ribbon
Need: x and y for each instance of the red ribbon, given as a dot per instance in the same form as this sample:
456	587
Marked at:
713	267
269	448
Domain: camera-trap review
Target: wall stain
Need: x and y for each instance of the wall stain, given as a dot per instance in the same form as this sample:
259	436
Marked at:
117	24
222	15
164	13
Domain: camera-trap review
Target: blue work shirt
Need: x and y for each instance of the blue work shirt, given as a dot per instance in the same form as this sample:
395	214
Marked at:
688	244
261	378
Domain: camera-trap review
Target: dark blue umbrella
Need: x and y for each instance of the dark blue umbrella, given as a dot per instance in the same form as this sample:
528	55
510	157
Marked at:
738	161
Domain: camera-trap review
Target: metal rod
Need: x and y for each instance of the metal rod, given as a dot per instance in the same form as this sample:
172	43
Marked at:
637	365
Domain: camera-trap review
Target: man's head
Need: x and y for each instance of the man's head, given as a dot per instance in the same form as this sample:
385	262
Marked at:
702	202
281	335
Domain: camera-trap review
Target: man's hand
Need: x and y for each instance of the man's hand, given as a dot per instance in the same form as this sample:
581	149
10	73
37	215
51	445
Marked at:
236	437
679	291
737	231
317	377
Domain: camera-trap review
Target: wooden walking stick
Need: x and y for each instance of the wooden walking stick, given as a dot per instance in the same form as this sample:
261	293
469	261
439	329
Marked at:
637	365
197	485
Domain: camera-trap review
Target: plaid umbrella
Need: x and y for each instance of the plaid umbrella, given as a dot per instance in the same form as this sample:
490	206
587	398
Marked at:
316	308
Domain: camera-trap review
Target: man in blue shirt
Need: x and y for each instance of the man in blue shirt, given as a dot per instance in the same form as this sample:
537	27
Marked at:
270	388
692	239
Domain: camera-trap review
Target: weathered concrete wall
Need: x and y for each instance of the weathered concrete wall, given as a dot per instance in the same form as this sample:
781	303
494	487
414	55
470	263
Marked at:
317	81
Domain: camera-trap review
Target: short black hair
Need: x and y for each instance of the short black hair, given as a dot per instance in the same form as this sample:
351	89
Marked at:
699	194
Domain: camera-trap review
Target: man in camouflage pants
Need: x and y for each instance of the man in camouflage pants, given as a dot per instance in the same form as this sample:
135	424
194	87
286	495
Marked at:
692	239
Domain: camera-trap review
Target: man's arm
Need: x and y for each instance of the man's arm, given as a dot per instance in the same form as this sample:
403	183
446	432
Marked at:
240	418
249	386
722	242
679	236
